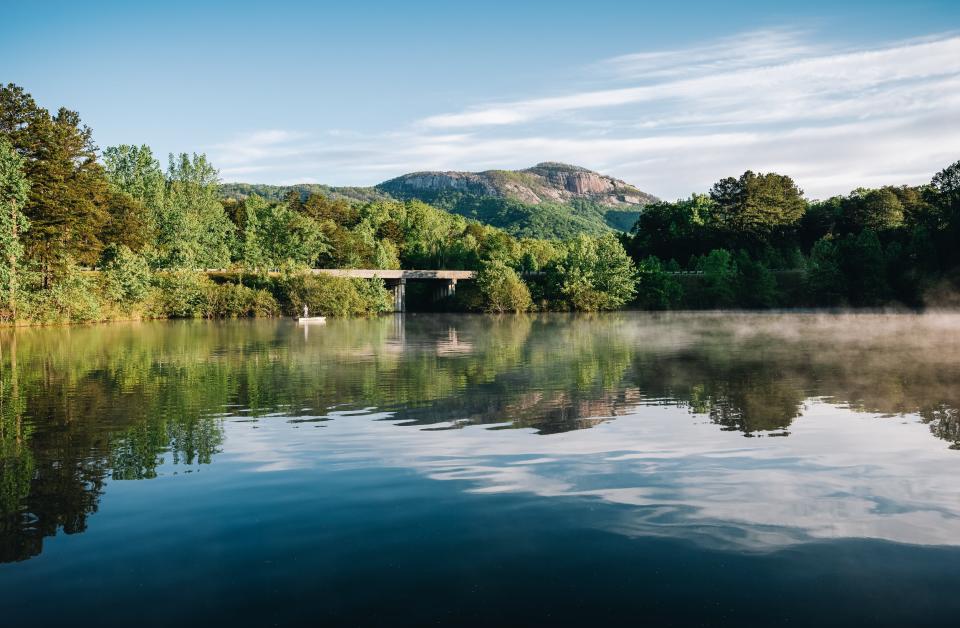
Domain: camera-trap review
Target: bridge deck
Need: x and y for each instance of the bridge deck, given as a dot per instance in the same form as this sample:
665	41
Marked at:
365	273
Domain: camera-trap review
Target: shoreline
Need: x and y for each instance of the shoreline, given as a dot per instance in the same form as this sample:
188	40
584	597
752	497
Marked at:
804	311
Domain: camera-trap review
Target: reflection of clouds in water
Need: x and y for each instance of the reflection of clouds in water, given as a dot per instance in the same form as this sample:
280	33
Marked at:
840	474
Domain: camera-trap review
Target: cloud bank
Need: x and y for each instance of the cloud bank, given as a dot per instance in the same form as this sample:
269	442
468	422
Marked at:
673	122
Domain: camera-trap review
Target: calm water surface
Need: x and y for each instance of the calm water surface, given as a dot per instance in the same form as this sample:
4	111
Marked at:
620	469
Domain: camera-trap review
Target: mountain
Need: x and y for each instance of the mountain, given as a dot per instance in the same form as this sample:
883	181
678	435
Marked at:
549	200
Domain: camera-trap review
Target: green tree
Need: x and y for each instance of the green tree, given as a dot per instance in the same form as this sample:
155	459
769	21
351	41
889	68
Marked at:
254	257
878	210
286	236
385	255
14	190
126	275
129	223
826	283
72	298
677	230
719	279
429	234
657	289
537	254
864	264
139	191
502	289
320	207
756	205
194	231
134	170
946	200
756	287
947	183
67	204
595	274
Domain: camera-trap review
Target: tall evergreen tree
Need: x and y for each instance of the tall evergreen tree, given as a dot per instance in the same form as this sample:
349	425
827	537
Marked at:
67	206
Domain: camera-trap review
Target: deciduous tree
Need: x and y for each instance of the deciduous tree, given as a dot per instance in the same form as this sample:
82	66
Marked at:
14	190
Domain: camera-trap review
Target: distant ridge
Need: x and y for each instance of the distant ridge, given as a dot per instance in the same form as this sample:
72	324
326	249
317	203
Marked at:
240	191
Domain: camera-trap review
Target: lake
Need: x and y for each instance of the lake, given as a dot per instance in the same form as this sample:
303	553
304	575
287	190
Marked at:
628	468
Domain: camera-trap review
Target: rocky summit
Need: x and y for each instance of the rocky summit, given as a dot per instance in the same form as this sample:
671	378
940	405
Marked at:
547	182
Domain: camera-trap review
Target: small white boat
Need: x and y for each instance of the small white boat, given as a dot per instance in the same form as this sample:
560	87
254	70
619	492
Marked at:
306	319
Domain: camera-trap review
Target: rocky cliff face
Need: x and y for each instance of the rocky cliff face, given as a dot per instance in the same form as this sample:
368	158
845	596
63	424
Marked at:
545	182
437	182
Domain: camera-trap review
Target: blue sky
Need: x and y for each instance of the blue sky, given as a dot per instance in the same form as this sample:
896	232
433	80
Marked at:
670	96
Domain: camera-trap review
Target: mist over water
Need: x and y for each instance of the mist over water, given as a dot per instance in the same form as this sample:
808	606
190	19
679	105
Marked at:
459	454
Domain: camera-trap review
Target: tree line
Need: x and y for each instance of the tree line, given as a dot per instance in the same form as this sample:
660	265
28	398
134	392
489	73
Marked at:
757	242
149	232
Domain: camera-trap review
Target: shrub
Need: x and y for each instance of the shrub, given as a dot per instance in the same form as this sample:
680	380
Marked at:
232	300
125	277
594	274
719	279
374	296
826	284
864	264
71	298
502	289
178	294
582	296
656	289
189	294
756	286
335	296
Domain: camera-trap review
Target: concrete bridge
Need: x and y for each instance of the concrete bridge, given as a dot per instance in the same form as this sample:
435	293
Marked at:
445	281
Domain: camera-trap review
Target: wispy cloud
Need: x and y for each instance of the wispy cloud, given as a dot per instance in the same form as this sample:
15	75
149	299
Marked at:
674	121
744	92
742	50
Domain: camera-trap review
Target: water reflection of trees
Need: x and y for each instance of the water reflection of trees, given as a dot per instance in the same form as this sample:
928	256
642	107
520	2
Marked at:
944	423
80	407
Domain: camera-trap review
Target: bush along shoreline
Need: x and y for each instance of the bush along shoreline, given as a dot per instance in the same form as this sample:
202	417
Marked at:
124	292
751	242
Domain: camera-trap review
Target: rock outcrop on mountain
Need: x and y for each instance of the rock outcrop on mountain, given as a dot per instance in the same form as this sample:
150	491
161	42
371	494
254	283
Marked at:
545	182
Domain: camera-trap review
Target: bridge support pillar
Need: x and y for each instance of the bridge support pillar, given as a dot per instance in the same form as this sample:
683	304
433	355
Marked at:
398	288
446	290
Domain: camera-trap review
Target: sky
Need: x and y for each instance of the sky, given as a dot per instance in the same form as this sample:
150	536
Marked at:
669	96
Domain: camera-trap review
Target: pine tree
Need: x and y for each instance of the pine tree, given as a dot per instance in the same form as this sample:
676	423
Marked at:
67	205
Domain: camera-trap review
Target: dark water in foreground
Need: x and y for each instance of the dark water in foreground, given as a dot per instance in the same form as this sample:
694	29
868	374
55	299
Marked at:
618	469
